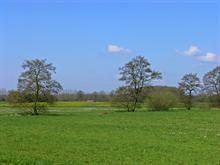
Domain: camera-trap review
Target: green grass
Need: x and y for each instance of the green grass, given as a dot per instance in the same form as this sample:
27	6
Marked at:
82	104
70	104
3	104
75	136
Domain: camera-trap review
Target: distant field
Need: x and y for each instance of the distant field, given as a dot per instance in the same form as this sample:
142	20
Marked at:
82	136
72	104
81	104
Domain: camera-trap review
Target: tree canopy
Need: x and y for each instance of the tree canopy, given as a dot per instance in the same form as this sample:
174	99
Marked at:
36	81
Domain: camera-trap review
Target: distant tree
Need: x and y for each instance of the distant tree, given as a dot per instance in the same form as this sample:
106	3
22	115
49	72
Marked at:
36	81
211	81
189	85
80	96
137	74
3	94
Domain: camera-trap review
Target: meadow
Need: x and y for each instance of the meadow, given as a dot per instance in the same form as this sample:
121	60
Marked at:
101	135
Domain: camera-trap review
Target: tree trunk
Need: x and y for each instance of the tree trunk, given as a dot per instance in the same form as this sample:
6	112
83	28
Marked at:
190	102
135	104
35	108
36	96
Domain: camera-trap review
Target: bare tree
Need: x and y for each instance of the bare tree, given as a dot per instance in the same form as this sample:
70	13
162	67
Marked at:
211	81
36	80
137	74
189	85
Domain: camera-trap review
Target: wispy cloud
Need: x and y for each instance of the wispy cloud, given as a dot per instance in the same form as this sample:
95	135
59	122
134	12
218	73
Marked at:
192	50
117	49
209	57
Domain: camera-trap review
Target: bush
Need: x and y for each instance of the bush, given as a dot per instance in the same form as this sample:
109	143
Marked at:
162	101
214	101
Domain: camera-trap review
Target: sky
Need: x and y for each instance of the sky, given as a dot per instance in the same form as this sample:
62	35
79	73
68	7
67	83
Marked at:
88	41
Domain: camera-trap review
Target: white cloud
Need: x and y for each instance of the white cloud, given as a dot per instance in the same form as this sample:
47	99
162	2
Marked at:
192	51
117	49
209	57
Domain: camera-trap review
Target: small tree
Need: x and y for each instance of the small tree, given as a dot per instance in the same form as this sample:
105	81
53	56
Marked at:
189	85
122	98
211	81
137	74
15	98
36	81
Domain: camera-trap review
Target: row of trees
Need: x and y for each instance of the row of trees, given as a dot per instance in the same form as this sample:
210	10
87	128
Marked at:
35	85
83	96
3	94
138	76
191	85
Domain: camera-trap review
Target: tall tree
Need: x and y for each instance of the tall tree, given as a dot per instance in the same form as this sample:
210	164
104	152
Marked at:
189	85
137	74
36	80
211	81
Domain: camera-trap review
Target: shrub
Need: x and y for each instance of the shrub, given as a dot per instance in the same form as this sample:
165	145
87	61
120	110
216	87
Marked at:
162	101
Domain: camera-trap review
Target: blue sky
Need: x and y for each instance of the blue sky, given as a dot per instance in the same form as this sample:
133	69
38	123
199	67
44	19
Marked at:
89	40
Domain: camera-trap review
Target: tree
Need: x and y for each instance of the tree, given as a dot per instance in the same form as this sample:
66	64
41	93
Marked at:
36	81
211	81
122	98
80	96
137	74
189	85
15	97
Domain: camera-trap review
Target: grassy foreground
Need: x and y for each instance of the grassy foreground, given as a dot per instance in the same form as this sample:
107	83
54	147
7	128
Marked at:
109	137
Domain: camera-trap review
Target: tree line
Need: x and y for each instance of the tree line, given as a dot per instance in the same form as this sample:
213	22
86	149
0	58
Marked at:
69	95
138	75
36	86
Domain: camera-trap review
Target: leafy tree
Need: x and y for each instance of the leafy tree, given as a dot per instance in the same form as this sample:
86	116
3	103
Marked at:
189	85
211	81
36	81
137	74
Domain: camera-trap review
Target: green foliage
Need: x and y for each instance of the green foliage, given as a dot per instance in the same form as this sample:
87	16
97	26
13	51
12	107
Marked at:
123	98
70	136
15	97
162	101
214	100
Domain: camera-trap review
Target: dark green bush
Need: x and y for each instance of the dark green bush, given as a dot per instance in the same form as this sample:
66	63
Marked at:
162	101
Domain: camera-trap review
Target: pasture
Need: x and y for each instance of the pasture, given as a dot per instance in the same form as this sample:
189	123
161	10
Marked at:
102	135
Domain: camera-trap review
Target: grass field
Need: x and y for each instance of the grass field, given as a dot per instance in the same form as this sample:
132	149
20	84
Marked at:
94	136
71	104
